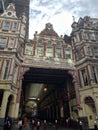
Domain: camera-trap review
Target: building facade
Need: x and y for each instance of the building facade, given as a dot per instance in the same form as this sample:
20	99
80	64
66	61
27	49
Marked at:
75	58
84	44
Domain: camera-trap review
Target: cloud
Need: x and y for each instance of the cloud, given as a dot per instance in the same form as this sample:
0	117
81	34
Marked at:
59	13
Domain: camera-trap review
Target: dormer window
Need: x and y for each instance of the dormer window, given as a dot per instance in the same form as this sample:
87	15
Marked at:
6	25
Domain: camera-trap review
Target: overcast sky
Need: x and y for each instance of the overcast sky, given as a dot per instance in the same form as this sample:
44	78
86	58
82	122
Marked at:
59	13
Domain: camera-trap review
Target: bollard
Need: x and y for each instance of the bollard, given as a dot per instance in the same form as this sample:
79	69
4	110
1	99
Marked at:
56	125
45	124
33	124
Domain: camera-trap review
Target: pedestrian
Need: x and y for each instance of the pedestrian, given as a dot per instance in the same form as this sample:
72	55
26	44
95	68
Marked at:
38	125
81	125
8	123
20	124
95	125
25	124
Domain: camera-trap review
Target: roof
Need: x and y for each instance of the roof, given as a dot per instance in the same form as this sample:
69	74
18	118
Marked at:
49	31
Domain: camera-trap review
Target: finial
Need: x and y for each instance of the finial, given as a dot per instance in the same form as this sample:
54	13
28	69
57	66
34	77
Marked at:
73	18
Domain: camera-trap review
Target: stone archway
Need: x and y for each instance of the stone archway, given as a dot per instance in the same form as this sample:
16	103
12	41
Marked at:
90	109
9	105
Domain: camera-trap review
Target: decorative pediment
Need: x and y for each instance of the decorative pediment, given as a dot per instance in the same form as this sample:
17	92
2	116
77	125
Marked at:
10	11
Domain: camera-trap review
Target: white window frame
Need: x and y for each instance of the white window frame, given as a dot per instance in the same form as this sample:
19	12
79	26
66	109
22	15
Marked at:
3	41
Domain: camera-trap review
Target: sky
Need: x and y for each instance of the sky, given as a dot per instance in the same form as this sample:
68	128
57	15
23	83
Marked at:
59	13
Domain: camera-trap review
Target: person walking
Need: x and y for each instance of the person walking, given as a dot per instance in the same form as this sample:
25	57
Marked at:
26	125
20	124
8	123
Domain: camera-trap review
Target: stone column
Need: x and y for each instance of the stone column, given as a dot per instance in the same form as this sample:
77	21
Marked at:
76	85
4	104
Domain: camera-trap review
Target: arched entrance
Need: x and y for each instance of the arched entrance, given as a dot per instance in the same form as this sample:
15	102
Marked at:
9	106
90	109
52	90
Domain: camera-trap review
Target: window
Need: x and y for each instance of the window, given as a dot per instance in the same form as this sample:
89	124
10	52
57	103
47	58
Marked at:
95	51
49	43
58	53
39	42
6	69
40	51
96	35
84	76
67	53
49	52
6	26
59	43
85	36
11	43
14	28
91	36
94	74
0	63
29	50
2	42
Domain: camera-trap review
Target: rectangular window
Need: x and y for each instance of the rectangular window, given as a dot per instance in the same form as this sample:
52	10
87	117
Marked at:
96	35
40	51
6	69
67	53
11	43
6	26
2	42
85	37
91	36
14	28
0	63
84	76
95	51
58	53
94	74
49	52
29	50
